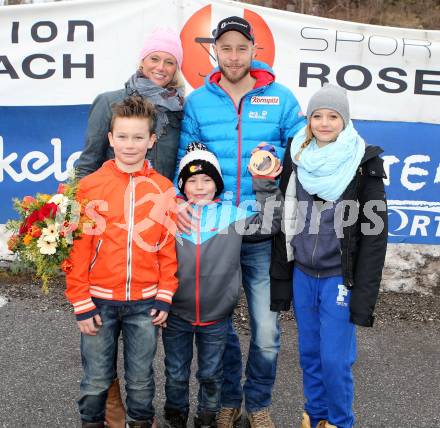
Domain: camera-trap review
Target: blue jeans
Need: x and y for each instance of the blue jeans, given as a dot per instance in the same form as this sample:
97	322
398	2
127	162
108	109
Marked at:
178	338
265	336
98	360
327	347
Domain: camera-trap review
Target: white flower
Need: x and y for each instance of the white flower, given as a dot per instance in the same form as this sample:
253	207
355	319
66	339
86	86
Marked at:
46	247
60	200
69	239
57	199
50	233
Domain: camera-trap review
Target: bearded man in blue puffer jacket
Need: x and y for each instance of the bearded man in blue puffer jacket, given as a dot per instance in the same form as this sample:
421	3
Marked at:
240	106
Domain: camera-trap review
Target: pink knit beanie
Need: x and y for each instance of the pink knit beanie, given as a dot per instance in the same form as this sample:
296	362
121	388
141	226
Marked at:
164	40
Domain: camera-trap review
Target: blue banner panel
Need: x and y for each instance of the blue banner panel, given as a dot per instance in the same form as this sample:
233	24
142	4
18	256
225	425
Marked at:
38	145
412	161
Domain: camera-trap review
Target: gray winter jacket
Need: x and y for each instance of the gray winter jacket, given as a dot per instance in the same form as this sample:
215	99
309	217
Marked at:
97	148
209	258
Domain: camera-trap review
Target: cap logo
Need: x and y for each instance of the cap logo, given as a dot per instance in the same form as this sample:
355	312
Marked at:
224	24
195	168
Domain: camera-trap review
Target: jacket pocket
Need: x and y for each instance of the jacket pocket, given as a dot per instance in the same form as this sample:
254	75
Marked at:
95	257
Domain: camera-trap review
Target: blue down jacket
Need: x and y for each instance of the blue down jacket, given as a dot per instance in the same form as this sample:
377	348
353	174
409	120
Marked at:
269	112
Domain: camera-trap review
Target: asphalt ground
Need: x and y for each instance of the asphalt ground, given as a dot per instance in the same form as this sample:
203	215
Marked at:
397	373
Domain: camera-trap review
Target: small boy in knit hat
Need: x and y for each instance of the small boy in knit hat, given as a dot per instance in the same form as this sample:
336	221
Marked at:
209	281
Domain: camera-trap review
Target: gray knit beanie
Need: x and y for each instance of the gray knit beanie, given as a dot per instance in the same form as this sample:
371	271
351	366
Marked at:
331	97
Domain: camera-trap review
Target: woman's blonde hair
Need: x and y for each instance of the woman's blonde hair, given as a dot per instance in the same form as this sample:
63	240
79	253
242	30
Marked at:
177	81
307	141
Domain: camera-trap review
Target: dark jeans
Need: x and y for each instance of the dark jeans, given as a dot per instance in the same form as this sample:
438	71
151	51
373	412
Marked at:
98	360
265	336
178	338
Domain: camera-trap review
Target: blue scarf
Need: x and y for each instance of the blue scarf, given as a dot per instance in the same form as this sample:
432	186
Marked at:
327	171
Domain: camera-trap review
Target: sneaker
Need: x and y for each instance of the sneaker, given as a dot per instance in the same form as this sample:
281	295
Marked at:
327	425
260	419
228	417
205	420
174	418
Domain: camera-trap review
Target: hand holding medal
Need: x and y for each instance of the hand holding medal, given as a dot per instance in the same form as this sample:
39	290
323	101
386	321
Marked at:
264	161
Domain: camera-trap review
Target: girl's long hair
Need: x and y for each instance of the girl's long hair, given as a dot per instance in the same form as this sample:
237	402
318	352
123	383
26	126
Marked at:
307	141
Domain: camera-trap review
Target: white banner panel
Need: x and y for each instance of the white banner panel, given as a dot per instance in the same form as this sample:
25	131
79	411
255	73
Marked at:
56	57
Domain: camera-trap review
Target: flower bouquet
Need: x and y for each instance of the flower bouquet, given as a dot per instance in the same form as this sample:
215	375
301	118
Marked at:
43	236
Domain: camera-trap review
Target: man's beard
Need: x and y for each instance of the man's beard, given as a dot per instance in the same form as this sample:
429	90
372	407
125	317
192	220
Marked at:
234	78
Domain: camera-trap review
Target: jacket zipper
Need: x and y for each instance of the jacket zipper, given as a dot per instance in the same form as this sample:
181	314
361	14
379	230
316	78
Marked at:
316	242
98	247
129	240
198	269
347	248
237	199
238	111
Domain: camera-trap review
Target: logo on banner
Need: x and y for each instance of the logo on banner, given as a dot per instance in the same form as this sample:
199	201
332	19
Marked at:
413	218
196	36
36	165
265	100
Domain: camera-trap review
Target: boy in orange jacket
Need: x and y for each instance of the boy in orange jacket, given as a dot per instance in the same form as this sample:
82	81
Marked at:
124	267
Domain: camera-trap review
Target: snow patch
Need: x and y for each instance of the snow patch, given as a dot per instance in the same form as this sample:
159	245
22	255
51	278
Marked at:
3	301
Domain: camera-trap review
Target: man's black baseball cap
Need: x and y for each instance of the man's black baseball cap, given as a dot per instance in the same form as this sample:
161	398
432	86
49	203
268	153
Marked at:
234	23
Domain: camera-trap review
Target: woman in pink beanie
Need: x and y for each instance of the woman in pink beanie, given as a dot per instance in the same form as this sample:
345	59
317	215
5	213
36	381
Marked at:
157	79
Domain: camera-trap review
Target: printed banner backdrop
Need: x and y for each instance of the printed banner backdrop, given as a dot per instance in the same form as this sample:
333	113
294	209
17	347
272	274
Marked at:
55	58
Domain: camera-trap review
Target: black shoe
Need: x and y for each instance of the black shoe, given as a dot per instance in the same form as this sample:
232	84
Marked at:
175	418
205	420
92	424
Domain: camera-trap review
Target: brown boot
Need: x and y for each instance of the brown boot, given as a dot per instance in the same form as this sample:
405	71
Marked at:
228	417
114	407
305	422
260	419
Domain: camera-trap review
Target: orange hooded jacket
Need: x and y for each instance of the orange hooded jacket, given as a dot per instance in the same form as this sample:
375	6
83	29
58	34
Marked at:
127	250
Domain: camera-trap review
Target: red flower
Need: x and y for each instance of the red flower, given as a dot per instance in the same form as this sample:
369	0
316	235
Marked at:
61	188
66	266
48	210
29	221
13	242
35	231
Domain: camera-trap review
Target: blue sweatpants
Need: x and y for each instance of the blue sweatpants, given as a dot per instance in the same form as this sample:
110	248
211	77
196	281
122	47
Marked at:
327	347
